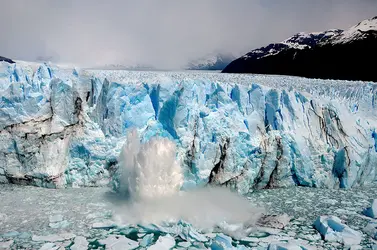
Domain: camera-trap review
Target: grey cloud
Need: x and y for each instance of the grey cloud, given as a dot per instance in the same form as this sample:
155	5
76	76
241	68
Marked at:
163	33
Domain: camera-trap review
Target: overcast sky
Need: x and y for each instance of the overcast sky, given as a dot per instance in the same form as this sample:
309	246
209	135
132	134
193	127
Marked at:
164	33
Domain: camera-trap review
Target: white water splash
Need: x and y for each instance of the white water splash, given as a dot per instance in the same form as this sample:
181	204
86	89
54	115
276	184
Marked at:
151	177
150	170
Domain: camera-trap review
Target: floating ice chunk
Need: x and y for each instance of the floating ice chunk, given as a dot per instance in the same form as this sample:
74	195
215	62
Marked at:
310	237
48	238
372	210
147	240
184	244
119	242
130	230
11	234
332	229
356	247
94	216
54	237
330	201
236	231
153	228
188	233
60	224
371	229
80	243
3	179
275	238
163	242
24	235
103	225
6	244
182	229
67	236
275	221
194	235
283	246
261	231
241	247
55	218
210	235
250	239
49	246
221	242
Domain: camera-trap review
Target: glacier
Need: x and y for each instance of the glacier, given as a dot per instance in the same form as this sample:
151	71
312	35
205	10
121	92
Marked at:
65	127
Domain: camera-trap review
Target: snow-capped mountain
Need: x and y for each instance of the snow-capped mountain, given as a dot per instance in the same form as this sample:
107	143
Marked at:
333	54
299	41
358	32
214	61
305	40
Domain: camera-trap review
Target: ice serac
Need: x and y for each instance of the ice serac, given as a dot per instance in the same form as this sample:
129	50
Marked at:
65	127
332	229
39	112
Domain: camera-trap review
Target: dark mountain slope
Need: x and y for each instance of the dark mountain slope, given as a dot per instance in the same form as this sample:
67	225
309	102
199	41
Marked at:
6	59
349	55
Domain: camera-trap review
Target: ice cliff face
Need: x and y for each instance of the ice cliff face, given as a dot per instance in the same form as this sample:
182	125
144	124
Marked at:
64	127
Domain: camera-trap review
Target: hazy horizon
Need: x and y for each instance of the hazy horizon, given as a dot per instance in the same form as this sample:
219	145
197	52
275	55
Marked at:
164	34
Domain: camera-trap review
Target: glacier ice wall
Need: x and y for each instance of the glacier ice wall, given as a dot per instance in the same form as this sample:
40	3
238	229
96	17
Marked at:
66	127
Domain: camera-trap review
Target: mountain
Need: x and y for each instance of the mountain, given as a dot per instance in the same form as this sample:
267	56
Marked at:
299	41
4	59
66	127
333	54
214	61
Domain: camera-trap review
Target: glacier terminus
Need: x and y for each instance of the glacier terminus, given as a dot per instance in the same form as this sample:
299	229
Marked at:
63	126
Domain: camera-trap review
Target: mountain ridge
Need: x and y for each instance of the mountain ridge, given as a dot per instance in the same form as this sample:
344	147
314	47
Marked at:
344	55
5	59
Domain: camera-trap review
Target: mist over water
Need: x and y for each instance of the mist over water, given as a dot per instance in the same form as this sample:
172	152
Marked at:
150	182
